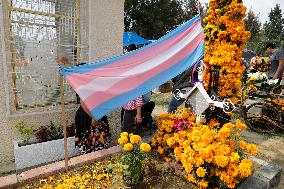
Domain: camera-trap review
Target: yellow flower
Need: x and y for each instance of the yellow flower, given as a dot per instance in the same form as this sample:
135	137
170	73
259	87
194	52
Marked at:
51	178
234	157
134	139
128	147
171	142
201	172
144	147
124	134
122	140
42	181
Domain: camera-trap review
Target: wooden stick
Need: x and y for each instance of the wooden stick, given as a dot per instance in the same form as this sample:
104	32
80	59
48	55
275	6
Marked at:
64	122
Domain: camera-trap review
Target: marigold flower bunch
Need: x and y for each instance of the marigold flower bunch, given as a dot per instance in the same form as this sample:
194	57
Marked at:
134	156
225	39
168	125
130	140
207	151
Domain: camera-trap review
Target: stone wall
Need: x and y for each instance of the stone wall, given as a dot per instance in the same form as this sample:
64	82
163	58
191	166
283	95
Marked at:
105	32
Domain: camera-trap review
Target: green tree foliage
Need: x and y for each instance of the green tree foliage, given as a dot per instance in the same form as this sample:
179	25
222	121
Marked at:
152	19
190	9
254	26
274	28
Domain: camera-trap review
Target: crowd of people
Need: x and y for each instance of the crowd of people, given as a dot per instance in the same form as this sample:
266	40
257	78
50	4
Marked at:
92	135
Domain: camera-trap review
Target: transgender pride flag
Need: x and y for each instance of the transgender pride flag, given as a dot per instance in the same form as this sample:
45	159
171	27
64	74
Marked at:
111	83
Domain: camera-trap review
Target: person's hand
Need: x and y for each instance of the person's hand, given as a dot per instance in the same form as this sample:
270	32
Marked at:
138	119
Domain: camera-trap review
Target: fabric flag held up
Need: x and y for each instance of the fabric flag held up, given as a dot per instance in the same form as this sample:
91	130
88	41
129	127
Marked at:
109	84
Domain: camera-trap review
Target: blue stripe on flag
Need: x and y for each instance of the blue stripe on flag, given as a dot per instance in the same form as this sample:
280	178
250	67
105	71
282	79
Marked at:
150	84
93	65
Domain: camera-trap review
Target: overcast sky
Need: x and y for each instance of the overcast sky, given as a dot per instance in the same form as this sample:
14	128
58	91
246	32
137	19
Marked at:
261	7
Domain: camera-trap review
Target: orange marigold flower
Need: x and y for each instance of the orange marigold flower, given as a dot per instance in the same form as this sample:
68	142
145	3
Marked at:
191	178
134	139
122	140
199	161
245	168
153	142
234	157
201	172
160	150
236	134
203	184
242	144
252	149
240	125
177	152
128	147
221	161
171	142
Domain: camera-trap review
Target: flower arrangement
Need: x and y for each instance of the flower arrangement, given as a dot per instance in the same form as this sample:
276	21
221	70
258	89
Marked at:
225	39
210	154
134	156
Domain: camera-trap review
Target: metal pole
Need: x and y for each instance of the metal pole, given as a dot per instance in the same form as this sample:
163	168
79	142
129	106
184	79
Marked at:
64	122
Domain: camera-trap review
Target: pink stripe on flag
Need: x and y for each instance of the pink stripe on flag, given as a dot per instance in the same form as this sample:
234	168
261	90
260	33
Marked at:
123	65
130	83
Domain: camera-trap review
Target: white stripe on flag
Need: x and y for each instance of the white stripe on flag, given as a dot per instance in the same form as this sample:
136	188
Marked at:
104	83
152	63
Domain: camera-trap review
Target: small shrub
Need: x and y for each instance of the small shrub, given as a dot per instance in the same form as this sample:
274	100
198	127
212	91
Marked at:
134	156
26	133
52	132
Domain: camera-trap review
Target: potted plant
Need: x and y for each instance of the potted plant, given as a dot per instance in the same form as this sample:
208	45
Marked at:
43	145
